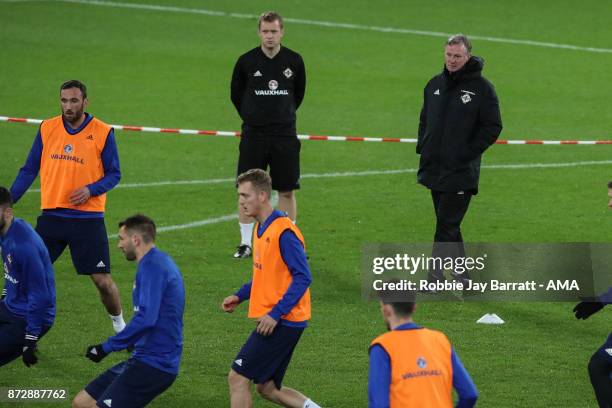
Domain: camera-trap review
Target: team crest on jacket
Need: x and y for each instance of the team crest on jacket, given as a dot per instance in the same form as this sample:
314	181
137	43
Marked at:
421	362
273	85
68	149
466	98
288	72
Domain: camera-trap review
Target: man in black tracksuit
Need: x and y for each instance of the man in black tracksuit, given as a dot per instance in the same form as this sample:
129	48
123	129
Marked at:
459	120
268	86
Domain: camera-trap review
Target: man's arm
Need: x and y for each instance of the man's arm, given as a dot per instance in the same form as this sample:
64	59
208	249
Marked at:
462	382
112	170
379	378
606	298
28	173
292	252
592	305
422	123
237	86
40	296
244	293
489	125
300	83
151	290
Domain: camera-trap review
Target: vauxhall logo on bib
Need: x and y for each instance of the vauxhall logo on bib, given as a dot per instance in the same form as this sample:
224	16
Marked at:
68	151
272	90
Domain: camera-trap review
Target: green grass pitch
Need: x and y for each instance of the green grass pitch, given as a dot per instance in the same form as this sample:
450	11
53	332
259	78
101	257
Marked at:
172	69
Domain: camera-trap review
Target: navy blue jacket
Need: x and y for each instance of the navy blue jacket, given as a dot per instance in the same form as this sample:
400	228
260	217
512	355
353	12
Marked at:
29	283
156	329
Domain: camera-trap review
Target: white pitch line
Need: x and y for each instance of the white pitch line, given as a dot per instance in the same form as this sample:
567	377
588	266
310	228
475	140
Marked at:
332	24
517	166
194	224
231	217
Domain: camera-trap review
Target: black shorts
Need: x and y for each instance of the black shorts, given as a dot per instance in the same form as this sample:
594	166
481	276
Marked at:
86	238
281	154
12	335
130	384
265	358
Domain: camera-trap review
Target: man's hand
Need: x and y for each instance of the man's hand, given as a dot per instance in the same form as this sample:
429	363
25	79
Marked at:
587	307
80	196
266	325
95	353
29	353
230	303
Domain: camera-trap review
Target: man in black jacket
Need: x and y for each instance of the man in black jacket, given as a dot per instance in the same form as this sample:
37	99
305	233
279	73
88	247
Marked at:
459	120
268	86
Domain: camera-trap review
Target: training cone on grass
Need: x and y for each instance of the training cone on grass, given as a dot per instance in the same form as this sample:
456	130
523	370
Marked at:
490	318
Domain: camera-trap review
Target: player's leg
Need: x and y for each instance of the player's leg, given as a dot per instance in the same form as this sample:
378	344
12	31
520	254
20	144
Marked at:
450	208
83	400
287	203
109	295
87	397
53	231
240	390
285	173
136	386
285	396
281	346
600	373
252	155
90	256
12	335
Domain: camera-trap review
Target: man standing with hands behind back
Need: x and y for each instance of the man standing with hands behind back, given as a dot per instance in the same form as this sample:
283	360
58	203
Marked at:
268	85
459	120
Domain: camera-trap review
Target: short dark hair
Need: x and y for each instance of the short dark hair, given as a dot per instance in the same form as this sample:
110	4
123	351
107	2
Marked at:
270	17
73	83
609	184
402	301
259	178
142	224
460	39
402	309
5	197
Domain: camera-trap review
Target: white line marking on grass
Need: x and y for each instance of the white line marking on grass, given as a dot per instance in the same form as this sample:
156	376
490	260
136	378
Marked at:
517	166
332	24
194	224
231	217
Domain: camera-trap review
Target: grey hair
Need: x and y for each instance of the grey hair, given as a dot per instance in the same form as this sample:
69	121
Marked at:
460	39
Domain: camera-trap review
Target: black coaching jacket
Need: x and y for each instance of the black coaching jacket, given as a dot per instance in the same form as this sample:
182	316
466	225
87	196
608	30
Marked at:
459	120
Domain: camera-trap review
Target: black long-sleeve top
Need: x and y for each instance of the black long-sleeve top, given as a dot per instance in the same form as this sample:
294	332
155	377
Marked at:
268	91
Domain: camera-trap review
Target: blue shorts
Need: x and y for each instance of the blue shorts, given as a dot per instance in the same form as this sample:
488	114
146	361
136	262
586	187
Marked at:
12	335
130	384
606	349
86	238
265	358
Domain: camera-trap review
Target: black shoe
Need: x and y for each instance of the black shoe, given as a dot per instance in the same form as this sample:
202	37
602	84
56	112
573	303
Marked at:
243	251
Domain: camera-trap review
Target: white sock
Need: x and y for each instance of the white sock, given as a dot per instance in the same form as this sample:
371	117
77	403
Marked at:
118	322
246	233
310	404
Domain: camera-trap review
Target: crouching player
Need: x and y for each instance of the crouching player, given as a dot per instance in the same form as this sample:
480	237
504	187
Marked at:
27	308
155	331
